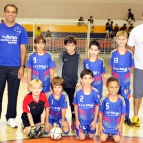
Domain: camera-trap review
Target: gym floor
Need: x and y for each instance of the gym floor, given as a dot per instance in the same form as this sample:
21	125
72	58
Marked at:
16	135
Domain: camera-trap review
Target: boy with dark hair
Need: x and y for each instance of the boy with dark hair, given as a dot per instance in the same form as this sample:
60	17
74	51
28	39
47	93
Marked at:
69	68
33	116
40	64
58	105
121	61
86	106
96	65
112	112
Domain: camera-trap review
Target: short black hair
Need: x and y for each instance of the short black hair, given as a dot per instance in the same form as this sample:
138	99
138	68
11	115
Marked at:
86	72
70	39
11	5
94	42
111	79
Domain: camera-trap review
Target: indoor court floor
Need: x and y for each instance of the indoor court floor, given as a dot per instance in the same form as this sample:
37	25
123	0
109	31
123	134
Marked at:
16	135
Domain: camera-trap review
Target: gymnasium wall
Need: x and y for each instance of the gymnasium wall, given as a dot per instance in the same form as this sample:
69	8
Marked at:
73	9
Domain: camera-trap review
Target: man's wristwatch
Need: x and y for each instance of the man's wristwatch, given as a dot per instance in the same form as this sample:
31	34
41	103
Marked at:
22	66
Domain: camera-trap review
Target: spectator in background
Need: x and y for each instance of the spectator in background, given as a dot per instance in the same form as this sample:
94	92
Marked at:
111	29
130	15
115	30
2	21
109	21
123	28
48	35
130	28
38	32
107	30
91	23
81	23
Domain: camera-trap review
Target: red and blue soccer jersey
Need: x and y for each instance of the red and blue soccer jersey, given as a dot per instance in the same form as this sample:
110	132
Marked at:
56	106
86	105
40	66
98	68
121	65
35	107
112	112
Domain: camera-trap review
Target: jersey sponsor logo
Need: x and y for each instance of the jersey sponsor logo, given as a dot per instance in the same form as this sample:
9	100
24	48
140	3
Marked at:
86	105
55	108
115	60
112	113
95	72
40	66
121	69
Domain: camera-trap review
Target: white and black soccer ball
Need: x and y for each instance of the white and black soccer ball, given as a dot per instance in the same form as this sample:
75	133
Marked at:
56	133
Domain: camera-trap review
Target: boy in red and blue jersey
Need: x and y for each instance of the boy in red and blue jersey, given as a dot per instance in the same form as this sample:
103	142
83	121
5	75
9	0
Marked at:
57	99
121	61
112	112
86	106
40	64
96	65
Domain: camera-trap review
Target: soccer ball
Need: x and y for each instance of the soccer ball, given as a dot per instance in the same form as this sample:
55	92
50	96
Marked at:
56	133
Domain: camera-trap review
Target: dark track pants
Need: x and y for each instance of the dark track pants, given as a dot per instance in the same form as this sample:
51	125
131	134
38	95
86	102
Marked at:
70	93
9	74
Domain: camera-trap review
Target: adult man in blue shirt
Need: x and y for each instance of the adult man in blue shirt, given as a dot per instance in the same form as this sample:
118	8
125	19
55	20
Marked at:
13	40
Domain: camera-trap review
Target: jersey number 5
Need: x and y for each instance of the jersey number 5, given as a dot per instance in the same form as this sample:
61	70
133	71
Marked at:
107	105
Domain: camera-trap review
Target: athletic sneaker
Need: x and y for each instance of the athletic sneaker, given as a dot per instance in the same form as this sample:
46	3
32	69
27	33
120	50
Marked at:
11	122
136	121
128	122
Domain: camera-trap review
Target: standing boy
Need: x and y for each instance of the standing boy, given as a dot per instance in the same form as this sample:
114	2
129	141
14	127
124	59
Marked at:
58	105
69	68
40	64
33	116
96	65
86	106
112	112
121	61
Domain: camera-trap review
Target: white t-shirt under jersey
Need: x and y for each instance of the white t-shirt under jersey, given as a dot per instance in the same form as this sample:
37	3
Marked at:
136	39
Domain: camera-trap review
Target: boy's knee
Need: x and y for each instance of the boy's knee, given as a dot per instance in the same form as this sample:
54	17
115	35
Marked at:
117	139
82	138
66	130
91	136
103	139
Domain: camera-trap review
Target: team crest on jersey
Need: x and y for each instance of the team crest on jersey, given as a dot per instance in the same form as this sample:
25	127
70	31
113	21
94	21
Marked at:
126	91
116	60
